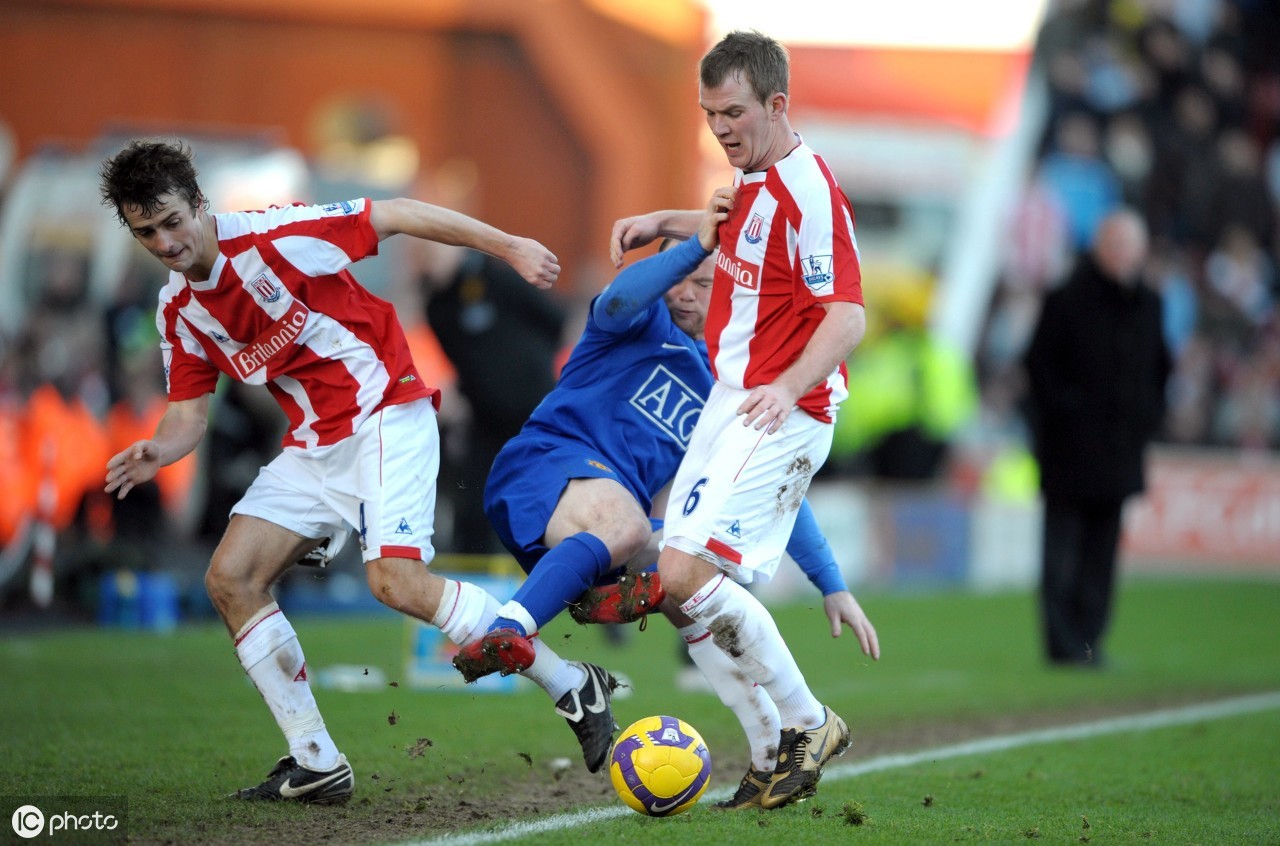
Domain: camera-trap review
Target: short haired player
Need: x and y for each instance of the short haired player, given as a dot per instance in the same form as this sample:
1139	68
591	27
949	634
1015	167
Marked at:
786	311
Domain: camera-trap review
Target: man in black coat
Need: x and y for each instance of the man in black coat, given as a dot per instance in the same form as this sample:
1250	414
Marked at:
1096	366
503	343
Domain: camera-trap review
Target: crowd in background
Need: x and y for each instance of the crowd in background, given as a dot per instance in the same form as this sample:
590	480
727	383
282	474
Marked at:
1169	106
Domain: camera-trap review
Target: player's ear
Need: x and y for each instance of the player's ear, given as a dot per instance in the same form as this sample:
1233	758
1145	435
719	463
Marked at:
777	105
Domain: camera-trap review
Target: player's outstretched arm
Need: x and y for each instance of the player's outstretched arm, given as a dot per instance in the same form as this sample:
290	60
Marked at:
631	233
538	265
639	286
177	434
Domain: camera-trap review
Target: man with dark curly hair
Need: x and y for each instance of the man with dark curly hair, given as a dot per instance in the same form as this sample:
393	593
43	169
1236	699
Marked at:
265	297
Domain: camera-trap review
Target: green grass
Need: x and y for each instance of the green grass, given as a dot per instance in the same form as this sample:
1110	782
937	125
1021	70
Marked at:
1176	785
172	723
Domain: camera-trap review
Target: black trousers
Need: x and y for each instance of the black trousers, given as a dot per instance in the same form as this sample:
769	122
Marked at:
1078	577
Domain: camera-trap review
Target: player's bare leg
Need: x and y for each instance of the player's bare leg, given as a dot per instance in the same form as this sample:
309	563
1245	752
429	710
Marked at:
406	585
251	557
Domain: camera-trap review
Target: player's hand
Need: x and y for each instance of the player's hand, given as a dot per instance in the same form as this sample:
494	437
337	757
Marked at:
538	265
843	610
132	467
767	406
718	208
631	233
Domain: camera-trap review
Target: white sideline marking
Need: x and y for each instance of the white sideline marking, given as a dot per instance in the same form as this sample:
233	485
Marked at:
1204	712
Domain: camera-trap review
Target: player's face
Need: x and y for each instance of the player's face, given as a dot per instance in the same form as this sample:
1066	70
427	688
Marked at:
689	299
176	234
754	135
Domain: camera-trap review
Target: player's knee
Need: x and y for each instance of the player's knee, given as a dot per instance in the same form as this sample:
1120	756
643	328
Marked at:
628	538
219	584
390	581
683	575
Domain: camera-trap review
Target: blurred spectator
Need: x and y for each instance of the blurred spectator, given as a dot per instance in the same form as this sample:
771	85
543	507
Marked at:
1096	368
145	521
1242	273
245	429
1131	154
1079	180
1191	393
130	323
916	392
1166	273
1223	79
1191	135
1242	198
1249	415
502	337
1190	170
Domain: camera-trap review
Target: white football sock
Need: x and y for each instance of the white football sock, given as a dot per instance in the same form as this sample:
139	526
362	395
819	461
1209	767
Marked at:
282	681
744	629
515	611
465	612
548	671
746	699
552	673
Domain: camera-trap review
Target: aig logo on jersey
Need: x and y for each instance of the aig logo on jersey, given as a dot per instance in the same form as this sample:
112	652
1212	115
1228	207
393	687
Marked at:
669	403
817	271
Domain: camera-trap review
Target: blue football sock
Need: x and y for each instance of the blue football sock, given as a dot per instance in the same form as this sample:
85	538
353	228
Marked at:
562	575
507	623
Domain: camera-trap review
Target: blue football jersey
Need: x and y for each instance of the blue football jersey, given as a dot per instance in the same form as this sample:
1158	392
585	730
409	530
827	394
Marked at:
633	396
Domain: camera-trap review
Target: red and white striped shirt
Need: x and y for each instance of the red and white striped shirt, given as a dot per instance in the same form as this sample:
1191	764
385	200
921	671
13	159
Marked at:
281	309
787	246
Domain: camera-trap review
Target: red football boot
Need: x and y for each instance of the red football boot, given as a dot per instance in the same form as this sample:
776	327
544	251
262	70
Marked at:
634	596
502	651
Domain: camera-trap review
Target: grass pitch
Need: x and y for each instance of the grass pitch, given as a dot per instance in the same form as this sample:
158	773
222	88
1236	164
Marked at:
171	723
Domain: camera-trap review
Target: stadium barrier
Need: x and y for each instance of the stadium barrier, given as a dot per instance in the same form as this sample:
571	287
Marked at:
1204	512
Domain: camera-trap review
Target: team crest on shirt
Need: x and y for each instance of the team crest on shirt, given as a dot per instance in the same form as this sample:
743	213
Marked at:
754	228
218	336
817	271
266	290
343	207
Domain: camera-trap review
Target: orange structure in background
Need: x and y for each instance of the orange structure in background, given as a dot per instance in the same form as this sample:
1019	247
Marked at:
964	89
573	117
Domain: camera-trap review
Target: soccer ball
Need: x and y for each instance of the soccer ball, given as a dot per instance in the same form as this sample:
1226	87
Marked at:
660	766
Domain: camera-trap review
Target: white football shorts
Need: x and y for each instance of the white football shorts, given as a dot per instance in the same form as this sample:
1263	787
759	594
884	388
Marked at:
735	497
380	482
